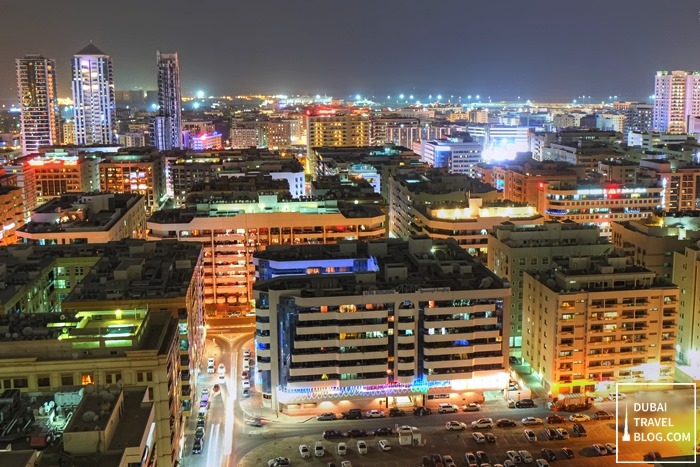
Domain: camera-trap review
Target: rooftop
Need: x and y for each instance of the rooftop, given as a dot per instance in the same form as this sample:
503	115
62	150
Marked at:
438	182
90	49
81	212
417	264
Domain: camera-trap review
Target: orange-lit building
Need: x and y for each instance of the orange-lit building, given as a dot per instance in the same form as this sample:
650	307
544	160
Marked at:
127	173
26	180
11	208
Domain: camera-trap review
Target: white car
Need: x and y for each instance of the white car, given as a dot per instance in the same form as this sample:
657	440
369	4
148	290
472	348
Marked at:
513	456
479	437
342	449
473	407
531	421
562	433
210	361
612	449
384	445
210	368
246	352
482	423
222	368
375	414
508	463
361	447
525	456
454	425
346	464
447	461
222	378
615	396
600	449
542	463
579	417
319	450
530	436
304	451
245	384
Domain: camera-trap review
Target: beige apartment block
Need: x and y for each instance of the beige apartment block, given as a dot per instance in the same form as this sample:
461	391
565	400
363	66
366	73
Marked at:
591	322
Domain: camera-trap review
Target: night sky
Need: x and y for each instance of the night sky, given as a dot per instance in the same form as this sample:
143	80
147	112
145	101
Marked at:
538	49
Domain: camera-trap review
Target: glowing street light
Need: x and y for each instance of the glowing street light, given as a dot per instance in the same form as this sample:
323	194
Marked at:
411	97
400	96
200	94
439	97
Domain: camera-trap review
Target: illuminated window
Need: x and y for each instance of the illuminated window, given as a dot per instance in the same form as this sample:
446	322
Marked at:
87	378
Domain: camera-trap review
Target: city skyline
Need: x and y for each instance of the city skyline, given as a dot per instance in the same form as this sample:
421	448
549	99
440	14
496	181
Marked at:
539	53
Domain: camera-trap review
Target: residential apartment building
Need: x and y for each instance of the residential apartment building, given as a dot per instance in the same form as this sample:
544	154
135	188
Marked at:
142	174
591	322
138	349
583	153
243	137
407	192
455	155
168	121
410	321
38	104
394	130
676	99
86	218
335	130
283	133
515	249
93	97
650	140
599	204
680	182
639	116
234	225
11	214
686	274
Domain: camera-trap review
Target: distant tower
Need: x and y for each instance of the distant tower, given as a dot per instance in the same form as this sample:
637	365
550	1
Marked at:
93	97
168	121
36	86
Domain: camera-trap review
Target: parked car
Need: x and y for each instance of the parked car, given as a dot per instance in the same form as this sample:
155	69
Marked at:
490	437
346	464
482	457
562	433
531	421
342	449
652	456
469	458
426	462
304	451
530	436
332	434
383	431
542	463
375	414
611	448
436	459
352	414
600	449
514	456
324	417
479	437
361	447
579	430
615	396
525	403
447	408
579	417
422	411
396	412
448	461
568	453
473	407
551	434
356	433
555	419
384	445
525	456
454	425
603	415
319	450
548	454
279	462
482	423
505	422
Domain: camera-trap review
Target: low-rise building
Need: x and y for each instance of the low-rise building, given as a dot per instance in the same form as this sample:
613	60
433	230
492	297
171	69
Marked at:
142	174
86	218
592	322
11	214
409	321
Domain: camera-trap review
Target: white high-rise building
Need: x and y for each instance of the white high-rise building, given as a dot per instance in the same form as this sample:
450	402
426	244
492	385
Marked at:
676	98
168	121
93	97
36	87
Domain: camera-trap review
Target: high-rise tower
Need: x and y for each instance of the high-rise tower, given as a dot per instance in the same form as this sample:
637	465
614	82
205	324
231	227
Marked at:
36	86
93	97
676	99
167	125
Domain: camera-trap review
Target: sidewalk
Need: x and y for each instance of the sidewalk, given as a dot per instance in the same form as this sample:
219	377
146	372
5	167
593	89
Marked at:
526	373
252	407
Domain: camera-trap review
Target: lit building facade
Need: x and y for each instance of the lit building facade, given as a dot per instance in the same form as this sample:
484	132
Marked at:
11	214
686	274
457	156
680	182
592	322
141	174
515	249
335	130
394	130
26	180
409	321
93	97
283	133
86	218
599	204
676	98
206	141
233	227
168	121
38	104
639	116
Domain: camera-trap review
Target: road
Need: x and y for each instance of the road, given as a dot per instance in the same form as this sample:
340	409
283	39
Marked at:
232	442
